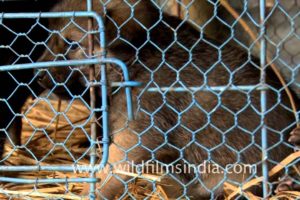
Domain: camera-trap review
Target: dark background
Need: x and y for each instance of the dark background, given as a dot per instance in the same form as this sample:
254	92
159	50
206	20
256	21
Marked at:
12	45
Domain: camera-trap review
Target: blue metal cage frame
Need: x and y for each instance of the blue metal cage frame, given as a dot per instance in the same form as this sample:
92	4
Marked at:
100	61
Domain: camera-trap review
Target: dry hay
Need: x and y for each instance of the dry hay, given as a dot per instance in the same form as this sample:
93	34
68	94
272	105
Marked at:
40	149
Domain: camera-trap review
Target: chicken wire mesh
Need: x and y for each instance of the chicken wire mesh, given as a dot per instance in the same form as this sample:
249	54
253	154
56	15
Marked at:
149	99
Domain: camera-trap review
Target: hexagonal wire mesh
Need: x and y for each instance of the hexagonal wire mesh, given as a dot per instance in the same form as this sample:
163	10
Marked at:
204	115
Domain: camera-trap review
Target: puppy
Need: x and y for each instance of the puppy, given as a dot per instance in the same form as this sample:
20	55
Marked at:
191	127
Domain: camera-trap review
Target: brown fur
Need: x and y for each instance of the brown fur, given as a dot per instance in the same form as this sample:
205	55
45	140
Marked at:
163	130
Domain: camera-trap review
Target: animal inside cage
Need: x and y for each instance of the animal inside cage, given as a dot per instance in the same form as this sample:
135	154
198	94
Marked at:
137	99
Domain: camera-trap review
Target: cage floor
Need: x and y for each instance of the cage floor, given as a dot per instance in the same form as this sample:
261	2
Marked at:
39	148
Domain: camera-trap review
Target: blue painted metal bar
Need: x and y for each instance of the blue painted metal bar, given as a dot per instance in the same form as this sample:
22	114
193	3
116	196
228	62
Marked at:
79	62
208	88
52	15
64	168
126	84
50	180
105	117
62	63
94	15
128	93
117	62
92	194
119	84
263	101
89	5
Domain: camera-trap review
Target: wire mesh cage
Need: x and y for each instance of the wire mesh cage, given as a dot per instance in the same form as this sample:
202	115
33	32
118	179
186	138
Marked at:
145	99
